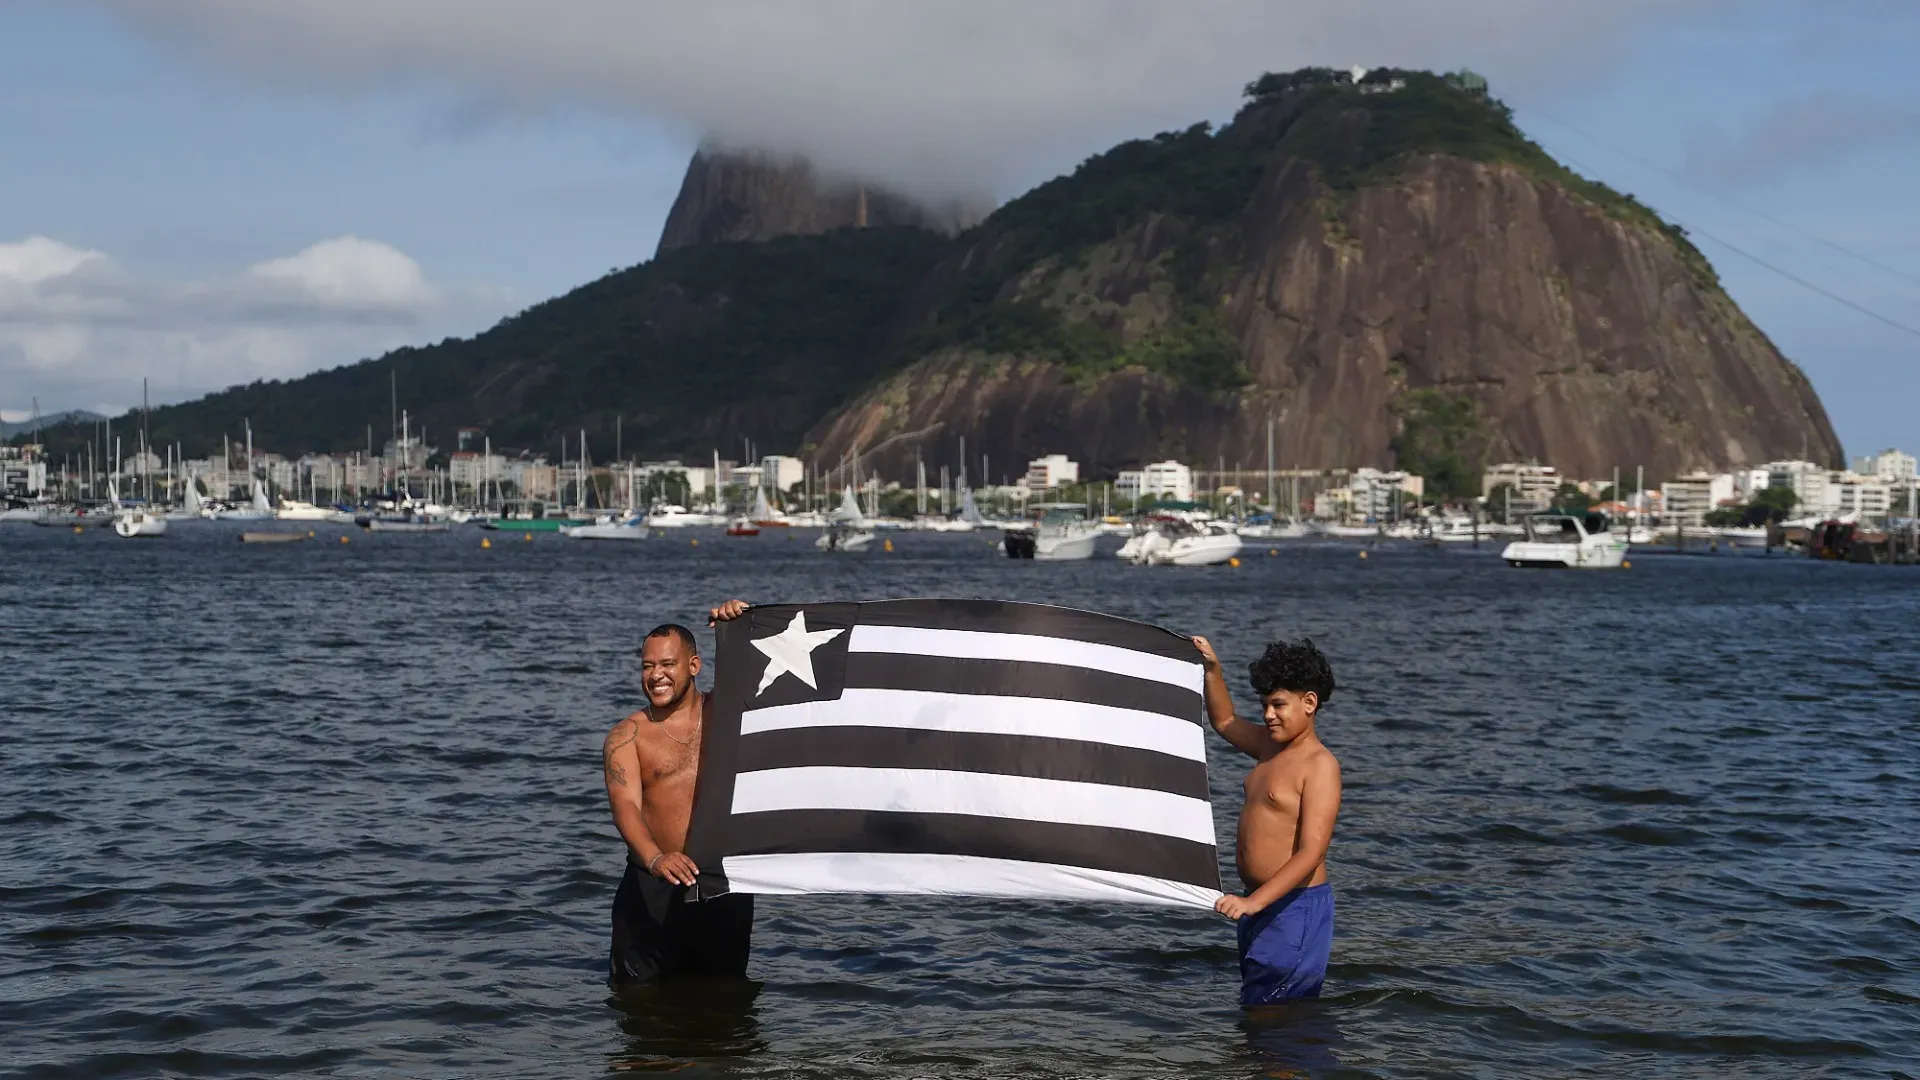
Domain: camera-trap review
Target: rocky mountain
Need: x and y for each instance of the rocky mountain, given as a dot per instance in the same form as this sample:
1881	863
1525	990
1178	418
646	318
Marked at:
1389	270
729	196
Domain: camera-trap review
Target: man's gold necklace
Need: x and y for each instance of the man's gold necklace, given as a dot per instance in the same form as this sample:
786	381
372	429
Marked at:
688	743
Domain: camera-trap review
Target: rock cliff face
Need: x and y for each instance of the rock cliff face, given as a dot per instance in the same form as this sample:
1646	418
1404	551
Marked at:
728	196
1573	328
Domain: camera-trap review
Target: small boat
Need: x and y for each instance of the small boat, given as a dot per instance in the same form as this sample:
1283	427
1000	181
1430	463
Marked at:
849	529
631	527
679	517
1350	532
259	509
254	537
527	515
743	527
408	522
764	515
1175	541
1056	532
1266	528
295	510
132	522
1562	540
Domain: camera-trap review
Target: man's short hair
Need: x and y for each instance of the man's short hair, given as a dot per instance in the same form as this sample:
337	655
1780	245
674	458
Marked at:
673	629
1295	666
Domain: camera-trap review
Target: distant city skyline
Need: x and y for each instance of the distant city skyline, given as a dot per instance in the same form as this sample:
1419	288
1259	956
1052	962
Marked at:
216	194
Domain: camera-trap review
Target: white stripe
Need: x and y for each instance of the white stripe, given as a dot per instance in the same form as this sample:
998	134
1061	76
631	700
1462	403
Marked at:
938	791
1045	717
1034	648
951	875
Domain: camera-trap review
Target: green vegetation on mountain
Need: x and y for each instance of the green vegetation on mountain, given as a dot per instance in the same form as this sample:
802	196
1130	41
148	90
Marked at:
1440	439
773	334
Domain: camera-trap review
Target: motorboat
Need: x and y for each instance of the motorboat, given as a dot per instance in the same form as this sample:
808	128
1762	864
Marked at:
1274	529
1561	539
1350	532
848	528
1054	532
137	522
630	527
679	517
1177	541
296	510
743	527
1742	535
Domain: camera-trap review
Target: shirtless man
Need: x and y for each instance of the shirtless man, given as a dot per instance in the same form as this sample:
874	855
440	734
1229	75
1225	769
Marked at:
651	760
1293	796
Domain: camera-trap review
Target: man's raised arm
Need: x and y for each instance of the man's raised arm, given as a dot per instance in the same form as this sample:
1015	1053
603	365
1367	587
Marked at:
1250	739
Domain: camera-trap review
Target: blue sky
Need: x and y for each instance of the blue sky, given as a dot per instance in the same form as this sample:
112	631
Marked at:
210	191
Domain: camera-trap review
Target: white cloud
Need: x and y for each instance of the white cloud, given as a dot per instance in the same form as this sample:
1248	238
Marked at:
940	97
77	328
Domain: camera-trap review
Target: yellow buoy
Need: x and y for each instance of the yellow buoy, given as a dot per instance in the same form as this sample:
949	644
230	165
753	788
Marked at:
77	529
1625	565
343	539
1363	554
889	544
695	541
309	533
1233	562
1273	551
526	538
485	543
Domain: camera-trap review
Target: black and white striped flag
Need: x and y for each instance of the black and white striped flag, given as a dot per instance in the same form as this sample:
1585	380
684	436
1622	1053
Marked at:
970	747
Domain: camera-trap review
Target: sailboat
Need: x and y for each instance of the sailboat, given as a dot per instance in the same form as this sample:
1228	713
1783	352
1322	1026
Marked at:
764	515
134	521
848	530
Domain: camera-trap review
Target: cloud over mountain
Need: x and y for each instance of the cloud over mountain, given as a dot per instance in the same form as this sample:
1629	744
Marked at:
936	98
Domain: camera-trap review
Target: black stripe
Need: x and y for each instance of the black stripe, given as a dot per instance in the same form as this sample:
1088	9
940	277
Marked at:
1019	678
1013	617
973	752
1124	851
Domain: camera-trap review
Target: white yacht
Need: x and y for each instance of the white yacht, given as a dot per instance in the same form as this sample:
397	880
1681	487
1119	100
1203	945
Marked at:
296	510
260	508
133	522
1056	532
629	527
1556	539
679	517
1179	542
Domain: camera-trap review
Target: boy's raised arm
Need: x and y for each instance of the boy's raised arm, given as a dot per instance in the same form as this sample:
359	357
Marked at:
1250	739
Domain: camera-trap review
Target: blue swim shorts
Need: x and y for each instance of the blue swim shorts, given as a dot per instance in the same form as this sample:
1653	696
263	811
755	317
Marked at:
1284	949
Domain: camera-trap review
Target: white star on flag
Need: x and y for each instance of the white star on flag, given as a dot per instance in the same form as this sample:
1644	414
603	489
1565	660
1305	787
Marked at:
791	651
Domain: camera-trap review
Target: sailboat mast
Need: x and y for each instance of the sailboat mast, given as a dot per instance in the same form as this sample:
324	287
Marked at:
1271	501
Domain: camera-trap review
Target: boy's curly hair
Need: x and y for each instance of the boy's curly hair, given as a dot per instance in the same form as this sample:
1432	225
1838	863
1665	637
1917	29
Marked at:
1297	666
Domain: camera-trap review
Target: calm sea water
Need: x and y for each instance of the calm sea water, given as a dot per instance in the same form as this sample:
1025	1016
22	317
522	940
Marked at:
336	810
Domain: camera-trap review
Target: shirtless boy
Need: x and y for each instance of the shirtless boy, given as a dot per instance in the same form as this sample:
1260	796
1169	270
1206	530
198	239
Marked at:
1293	797
651	760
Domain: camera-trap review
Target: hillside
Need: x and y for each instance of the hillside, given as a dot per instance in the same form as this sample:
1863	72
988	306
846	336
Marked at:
1394	276
693	350
1391	271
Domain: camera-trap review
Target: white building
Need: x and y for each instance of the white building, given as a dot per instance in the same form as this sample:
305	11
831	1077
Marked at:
470	469
1807	481
1889	465
1373	494
1747	482
1167	480
1687	500
1865	496
1054	471
1534	486
22	473
782	472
